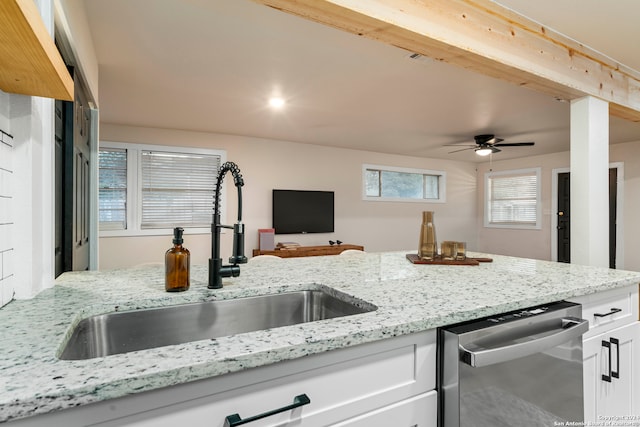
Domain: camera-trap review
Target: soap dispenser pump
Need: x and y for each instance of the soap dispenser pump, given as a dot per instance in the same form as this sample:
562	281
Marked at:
177	264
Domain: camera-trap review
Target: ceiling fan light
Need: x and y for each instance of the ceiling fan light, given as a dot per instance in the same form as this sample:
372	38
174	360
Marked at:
483	151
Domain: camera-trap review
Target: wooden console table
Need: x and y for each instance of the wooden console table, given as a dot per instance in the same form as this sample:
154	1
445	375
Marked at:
303	251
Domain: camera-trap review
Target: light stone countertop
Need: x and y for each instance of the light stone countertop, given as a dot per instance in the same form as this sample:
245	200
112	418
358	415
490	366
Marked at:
410	298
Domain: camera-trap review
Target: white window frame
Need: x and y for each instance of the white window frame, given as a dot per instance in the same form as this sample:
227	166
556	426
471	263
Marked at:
515	225
134	188
442	184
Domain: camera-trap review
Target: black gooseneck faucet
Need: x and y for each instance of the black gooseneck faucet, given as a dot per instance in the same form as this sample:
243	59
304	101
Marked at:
216	270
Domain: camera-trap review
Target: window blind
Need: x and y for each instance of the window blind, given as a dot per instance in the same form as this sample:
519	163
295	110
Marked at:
513	199
177	189
112	188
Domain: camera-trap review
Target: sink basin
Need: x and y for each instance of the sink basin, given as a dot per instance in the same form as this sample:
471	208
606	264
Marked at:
125	331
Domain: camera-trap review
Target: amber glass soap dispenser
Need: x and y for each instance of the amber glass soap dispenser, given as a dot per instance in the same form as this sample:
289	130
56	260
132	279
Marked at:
177	264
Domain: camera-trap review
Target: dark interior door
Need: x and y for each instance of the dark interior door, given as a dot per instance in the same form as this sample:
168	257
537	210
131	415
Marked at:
72	183
613	209
81	181
564	217
59	147
63	186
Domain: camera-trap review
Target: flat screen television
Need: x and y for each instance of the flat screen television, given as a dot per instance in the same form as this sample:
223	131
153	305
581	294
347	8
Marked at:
302	211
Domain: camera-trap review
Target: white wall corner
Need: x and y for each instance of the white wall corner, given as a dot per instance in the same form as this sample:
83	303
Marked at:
32	125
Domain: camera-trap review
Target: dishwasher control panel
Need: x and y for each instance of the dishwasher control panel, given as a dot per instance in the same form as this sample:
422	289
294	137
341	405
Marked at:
518	314
511	316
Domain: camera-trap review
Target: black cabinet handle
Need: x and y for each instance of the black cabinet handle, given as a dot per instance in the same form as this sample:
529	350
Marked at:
235	420
616	342
612	311
607	378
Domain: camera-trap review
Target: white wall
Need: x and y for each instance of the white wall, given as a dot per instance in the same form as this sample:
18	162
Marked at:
525	243
269	164
537	243
7	201
629	154
31	122
73	28
32	127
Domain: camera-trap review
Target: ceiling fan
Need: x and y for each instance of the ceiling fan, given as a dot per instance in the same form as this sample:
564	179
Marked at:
488	144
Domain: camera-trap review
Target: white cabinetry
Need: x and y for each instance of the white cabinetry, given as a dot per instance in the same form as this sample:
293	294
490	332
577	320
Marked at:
610	377
386	383
611	352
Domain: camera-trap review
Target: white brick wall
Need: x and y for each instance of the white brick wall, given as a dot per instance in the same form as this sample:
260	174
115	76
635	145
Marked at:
6	220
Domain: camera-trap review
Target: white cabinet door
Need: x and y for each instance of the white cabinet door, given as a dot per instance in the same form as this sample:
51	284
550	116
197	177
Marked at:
419	411
618	396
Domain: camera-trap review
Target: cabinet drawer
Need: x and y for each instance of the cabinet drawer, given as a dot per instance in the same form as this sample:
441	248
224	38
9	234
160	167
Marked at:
337	392
419	411
609	310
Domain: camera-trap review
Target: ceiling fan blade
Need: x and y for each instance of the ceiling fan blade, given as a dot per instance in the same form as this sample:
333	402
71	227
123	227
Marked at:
463	149
487	139
514	144
459	144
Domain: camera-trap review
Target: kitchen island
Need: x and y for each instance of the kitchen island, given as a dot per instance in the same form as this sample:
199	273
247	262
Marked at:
410	299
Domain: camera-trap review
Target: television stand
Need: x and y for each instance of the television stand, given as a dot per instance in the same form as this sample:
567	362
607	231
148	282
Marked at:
304	251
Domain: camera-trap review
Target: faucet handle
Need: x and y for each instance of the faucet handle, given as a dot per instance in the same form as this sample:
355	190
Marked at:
238	256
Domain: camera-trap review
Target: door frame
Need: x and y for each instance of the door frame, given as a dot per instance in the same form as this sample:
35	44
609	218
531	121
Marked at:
619	212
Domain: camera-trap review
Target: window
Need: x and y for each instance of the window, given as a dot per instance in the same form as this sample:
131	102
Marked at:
147	189
512	199
112	191
386	183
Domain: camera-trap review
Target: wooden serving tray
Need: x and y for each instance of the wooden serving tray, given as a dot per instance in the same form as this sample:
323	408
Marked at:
415	259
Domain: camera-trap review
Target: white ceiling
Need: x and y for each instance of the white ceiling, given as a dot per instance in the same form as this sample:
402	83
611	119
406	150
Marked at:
610	27
211	65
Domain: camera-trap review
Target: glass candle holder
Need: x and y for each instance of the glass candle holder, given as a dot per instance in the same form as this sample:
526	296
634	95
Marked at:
449	250
461	253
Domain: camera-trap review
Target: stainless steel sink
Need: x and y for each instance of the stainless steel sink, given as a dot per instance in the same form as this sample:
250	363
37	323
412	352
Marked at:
122	332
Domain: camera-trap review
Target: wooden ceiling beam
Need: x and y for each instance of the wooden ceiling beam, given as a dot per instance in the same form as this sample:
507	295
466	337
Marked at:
483	37
30	63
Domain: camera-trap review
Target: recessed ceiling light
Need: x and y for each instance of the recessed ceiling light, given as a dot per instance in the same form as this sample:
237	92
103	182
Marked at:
276	102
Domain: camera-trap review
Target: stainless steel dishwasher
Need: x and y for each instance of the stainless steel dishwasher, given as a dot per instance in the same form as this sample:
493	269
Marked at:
522	368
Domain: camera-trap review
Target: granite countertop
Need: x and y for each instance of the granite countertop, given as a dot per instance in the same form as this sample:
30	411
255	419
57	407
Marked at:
410	298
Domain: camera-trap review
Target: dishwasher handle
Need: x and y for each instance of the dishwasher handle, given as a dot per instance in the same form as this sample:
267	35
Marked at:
571	327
